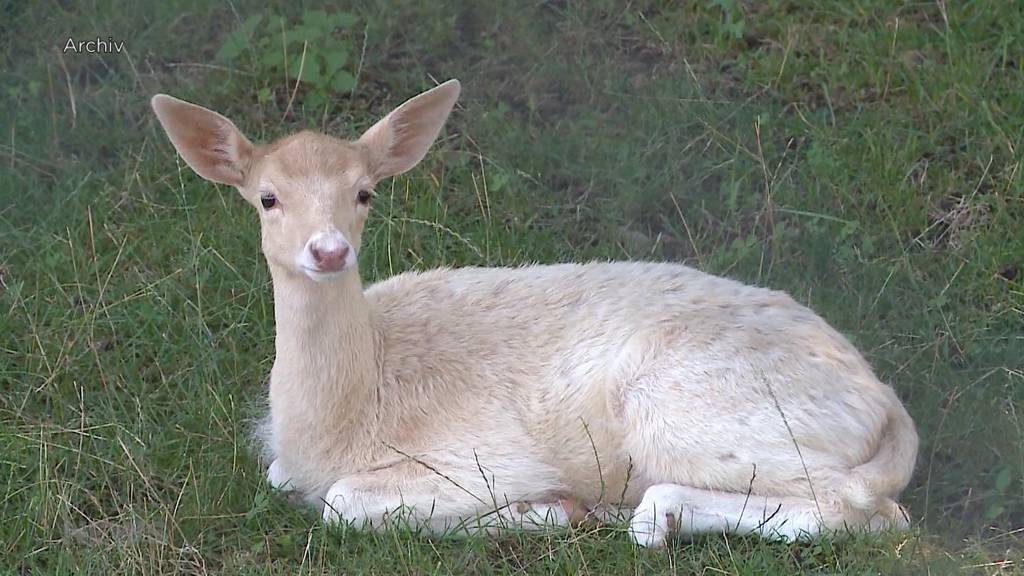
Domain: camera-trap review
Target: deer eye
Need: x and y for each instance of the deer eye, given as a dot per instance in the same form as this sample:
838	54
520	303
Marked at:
364	196
268	201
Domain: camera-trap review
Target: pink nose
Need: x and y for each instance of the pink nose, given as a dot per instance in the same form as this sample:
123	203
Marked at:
329	260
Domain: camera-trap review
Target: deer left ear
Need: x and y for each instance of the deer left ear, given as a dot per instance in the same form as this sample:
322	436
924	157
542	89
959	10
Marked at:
401	139
208	142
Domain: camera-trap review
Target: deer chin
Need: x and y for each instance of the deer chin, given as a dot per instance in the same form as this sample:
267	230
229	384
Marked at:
324	276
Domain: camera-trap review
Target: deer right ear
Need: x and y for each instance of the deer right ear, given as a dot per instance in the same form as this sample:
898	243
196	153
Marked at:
401	139
208	142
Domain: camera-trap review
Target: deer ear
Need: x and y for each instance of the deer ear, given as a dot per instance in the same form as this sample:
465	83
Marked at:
401	139
208	142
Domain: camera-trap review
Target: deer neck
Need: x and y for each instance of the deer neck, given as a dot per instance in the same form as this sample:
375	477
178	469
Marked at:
327	357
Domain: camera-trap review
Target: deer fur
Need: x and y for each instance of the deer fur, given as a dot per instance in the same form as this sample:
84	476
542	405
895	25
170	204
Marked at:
470	397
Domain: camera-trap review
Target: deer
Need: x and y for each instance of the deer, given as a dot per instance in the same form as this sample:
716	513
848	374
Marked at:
472	399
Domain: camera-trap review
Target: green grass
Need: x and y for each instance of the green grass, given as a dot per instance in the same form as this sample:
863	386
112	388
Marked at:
863	155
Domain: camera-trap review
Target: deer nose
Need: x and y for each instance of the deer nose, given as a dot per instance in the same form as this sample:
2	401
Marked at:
329	259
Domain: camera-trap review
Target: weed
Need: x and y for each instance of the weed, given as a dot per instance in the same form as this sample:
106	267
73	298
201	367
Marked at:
317	53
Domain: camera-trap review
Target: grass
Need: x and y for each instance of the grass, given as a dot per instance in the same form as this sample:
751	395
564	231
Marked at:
863	155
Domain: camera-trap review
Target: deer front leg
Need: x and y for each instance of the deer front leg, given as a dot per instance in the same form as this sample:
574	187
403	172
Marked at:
278	477
372	501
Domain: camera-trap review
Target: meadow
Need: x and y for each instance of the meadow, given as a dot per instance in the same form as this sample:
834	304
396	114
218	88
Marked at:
863	155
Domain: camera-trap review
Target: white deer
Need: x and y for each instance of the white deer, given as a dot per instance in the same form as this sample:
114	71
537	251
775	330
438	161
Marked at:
540	394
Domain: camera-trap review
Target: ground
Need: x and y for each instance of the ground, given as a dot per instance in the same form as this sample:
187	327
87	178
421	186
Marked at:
863	155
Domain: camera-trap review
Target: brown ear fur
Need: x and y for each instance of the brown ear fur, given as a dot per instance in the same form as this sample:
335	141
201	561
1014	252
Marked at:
208	142
401	139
